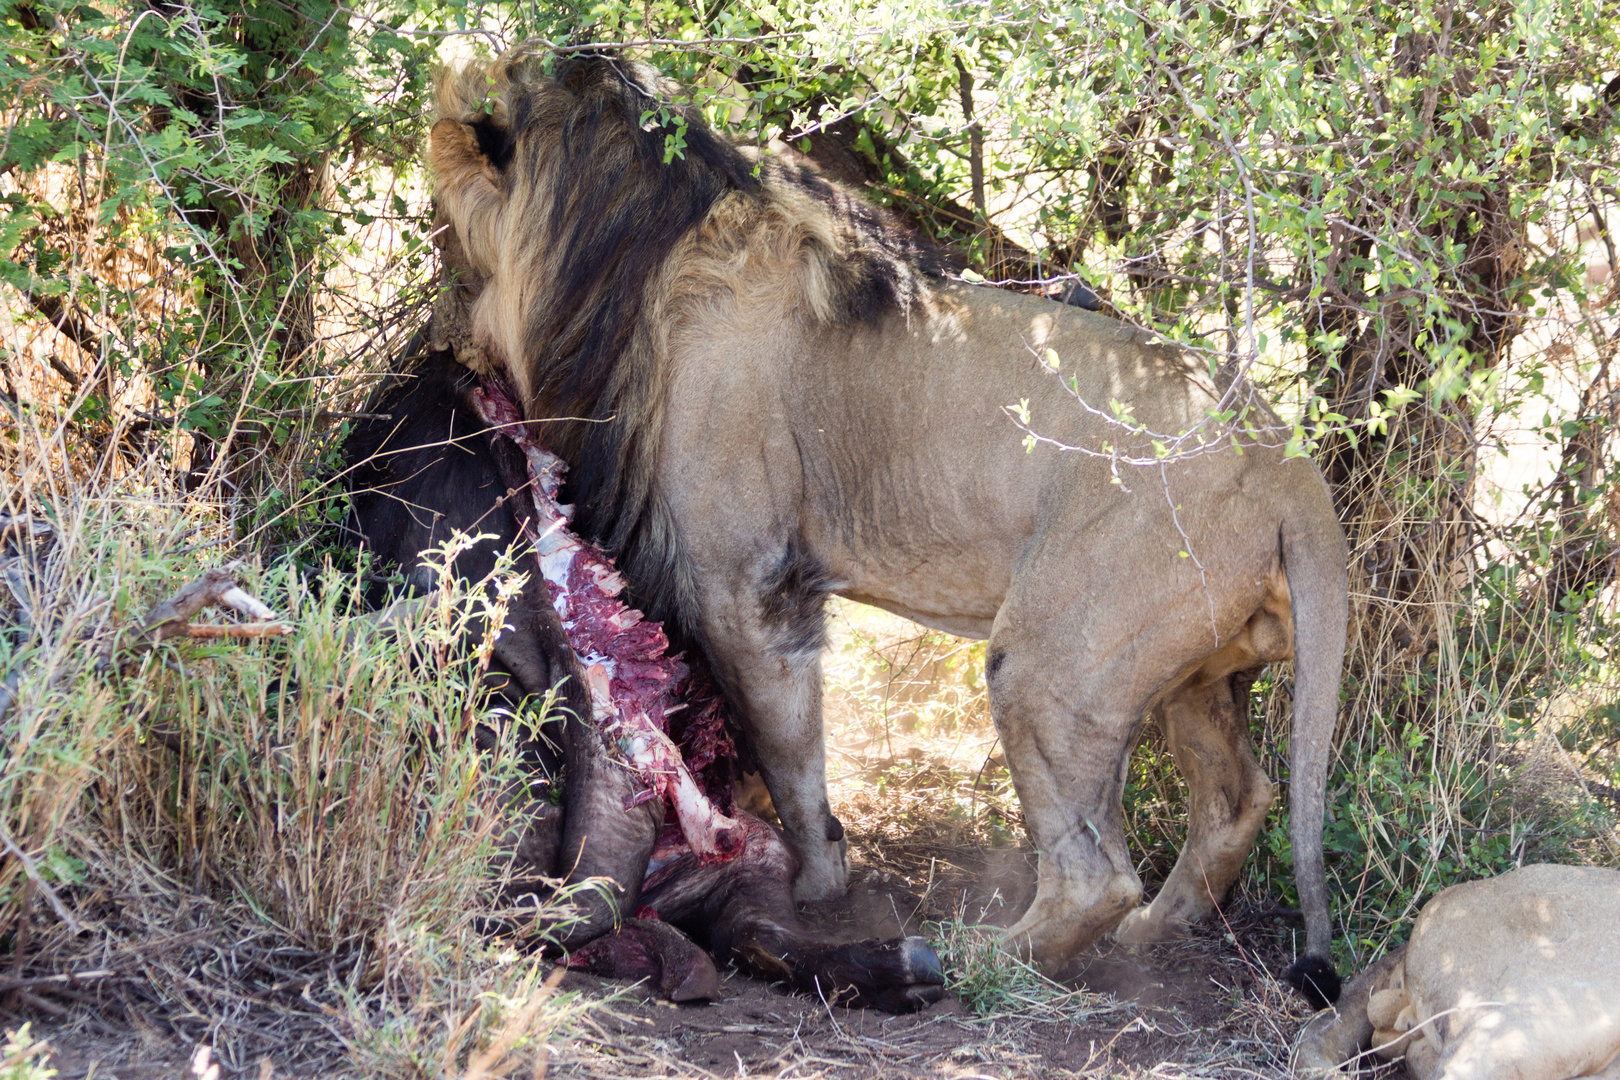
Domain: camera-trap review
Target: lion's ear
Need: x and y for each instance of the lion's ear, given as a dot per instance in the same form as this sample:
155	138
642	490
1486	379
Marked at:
454	153
577	78
494	142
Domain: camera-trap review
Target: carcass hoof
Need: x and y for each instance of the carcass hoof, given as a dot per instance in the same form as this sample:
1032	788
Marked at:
1315	978
897	976
922	967
655	951
921	962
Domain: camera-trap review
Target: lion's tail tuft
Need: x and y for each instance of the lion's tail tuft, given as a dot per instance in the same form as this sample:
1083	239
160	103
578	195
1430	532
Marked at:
1314	977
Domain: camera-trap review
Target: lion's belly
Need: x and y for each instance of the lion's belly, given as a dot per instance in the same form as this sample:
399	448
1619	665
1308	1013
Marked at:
974	625
949	574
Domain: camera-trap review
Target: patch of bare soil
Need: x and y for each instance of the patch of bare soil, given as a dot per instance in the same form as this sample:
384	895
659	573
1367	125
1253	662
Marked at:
1203	1007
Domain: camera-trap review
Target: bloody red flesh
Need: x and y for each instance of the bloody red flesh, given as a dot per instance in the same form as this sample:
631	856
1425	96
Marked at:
635	685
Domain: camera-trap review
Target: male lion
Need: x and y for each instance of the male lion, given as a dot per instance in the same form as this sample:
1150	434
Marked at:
766	396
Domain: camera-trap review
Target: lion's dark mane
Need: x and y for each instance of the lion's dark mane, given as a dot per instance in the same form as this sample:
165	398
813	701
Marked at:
618	212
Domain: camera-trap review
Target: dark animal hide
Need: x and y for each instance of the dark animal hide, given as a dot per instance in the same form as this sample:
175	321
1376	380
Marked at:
432	468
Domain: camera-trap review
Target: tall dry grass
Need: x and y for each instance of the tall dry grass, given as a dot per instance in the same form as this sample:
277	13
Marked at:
284	847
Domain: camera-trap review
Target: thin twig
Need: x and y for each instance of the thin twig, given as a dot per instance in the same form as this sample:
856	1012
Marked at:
68	978
32	871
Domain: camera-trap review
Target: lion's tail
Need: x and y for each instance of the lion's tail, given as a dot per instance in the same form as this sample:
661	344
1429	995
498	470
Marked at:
1314	559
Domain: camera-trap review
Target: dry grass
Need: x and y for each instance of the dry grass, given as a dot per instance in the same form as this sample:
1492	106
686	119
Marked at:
278	847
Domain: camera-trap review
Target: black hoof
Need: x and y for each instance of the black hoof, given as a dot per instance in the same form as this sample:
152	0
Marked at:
920	962
1315	978
898	976
912	999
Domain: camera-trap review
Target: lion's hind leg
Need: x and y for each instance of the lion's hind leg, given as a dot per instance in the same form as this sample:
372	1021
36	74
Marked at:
1066	746
1072	673
1206	727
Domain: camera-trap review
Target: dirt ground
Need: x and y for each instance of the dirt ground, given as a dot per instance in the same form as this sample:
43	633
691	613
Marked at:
936	843
1205	1007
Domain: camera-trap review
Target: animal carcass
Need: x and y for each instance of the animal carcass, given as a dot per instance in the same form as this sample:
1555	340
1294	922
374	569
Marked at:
448	454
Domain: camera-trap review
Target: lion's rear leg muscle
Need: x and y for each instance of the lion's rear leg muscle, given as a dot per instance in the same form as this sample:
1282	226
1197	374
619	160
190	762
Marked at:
1228	796
1065	758
1071	676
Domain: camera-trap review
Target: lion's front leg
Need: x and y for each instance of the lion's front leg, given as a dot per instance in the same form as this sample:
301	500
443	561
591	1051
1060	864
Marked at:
776	686
781	700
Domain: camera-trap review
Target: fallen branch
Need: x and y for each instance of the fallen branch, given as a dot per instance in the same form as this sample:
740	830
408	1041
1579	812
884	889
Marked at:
34	1001
170	619
216	588
68	323
238	630
24	527
19	533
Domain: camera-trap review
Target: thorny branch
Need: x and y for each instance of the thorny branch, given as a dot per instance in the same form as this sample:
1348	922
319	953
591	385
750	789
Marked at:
1166	448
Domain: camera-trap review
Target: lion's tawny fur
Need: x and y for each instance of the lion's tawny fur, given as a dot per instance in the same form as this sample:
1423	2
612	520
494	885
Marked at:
1515	977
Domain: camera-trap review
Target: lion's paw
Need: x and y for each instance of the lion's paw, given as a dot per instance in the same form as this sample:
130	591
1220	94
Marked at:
1141	927
823	878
